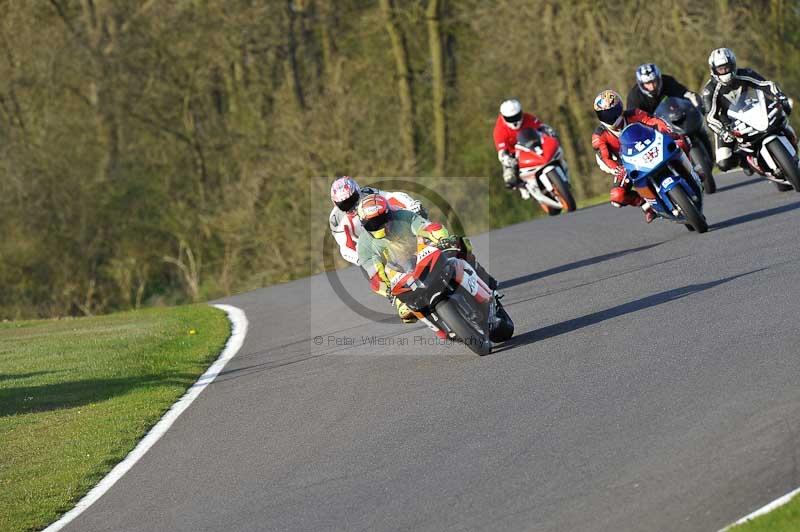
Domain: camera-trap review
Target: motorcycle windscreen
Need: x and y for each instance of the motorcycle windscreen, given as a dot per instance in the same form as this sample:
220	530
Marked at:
749	106
641	148
676	112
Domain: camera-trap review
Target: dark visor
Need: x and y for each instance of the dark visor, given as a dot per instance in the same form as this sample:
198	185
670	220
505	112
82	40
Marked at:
511	119
373	224
348	204
609	116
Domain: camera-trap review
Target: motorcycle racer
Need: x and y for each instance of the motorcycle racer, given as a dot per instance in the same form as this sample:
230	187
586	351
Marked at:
390	239
344	223
725	85
652	86
508	124
605	141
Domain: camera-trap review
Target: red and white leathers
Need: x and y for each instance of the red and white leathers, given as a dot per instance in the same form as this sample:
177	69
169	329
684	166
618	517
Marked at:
346	227
505	140
505	137
605	142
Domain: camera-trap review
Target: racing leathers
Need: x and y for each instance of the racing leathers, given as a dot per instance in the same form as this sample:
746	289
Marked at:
397	251
606	144
346	227
717	98
505	140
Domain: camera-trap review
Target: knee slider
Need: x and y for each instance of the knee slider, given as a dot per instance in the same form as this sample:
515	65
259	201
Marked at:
617	197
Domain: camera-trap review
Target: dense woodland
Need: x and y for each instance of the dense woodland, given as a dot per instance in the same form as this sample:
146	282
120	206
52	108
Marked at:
157	152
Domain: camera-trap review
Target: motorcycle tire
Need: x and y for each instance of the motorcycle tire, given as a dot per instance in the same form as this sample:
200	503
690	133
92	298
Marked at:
699	156
551	211
786	163
564	194
505	329
450	313
693	216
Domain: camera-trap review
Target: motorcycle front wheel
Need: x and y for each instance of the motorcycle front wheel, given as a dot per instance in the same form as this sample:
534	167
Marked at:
564	194
451	314
693	215
505	329
785	162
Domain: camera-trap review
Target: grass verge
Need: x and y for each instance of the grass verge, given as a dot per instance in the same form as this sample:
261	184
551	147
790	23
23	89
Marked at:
785	518
594	200
76	395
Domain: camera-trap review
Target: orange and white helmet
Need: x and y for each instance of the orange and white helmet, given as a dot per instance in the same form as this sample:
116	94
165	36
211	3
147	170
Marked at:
345	193
374	213
608	107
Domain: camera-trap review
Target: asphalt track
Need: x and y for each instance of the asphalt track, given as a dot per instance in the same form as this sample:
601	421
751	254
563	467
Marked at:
653	384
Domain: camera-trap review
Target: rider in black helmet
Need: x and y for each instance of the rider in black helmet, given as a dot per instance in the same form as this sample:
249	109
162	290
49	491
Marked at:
652	87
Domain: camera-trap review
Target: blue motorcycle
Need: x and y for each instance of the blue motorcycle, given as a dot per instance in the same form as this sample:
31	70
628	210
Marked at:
662	174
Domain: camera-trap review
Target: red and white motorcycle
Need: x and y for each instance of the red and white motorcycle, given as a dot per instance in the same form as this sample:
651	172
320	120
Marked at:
446	291
543	172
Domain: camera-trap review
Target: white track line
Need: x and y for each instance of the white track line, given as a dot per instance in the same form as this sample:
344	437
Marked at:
238	332
780	501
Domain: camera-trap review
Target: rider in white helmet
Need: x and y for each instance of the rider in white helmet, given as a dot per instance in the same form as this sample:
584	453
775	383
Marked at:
344	223
726	81
509	123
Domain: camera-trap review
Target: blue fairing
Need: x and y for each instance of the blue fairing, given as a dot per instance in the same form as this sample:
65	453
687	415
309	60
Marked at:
645	153
636	138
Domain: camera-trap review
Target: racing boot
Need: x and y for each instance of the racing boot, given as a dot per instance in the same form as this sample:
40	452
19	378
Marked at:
405	313
649	214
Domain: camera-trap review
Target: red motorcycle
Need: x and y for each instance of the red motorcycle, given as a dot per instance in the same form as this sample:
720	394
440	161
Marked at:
543	172
446	291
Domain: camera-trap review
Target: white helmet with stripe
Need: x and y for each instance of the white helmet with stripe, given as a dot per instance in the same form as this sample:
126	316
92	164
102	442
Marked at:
722	64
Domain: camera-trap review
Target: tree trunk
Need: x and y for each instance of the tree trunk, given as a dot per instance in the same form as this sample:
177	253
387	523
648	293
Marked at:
291	65
433	16
404	84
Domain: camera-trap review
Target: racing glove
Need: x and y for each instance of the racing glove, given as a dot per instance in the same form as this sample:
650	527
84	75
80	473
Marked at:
785	102
621	177
681	141
726	135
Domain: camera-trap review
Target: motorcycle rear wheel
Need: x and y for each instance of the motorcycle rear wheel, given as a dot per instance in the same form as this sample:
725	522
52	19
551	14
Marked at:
693	216
450	313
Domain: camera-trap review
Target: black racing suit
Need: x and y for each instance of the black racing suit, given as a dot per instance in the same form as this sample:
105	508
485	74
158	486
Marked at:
669	87
715	100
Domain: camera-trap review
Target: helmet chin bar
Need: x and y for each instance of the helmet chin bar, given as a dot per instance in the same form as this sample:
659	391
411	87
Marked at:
725	78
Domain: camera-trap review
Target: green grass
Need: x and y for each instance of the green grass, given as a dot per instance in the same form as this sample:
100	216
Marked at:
594	200
76	395
785	518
